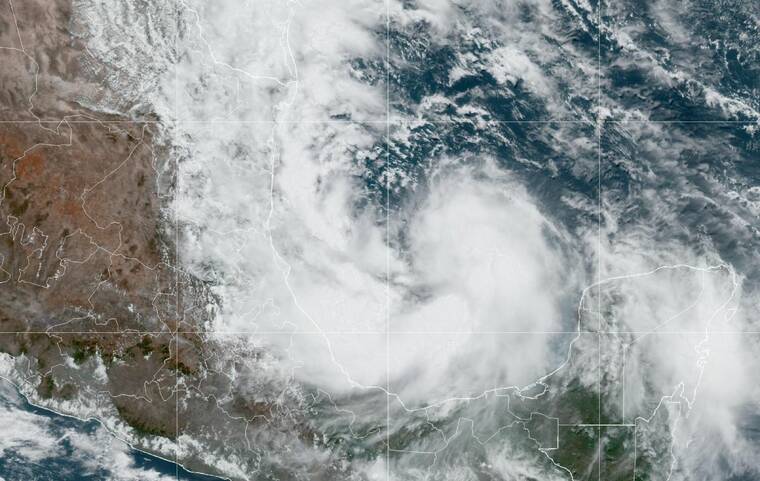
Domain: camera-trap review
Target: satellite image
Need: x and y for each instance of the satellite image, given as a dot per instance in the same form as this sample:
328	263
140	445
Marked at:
380	240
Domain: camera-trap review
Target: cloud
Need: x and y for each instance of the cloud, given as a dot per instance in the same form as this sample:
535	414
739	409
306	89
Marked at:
279	218
25	434
478	256
677	361
35	440
101	451
484	280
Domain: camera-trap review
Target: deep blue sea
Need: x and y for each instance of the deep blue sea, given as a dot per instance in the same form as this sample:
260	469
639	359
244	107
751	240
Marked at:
39	445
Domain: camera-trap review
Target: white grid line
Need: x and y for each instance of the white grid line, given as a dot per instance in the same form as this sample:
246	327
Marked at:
176	239
388	121
399	121
376	332
599	126
387	240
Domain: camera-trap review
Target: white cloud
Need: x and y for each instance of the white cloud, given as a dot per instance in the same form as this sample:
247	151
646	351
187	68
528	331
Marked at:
35	438
510	65
679	318
24	433
480	257
274	219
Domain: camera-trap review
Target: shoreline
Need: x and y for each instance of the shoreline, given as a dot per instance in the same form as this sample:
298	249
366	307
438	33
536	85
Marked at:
111	433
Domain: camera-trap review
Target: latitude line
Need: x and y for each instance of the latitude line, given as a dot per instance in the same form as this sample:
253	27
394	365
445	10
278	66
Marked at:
387	122
383	331
387	240
397	120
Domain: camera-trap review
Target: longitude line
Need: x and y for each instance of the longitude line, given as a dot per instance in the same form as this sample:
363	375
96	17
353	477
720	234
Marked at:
599	121
176	241
387	240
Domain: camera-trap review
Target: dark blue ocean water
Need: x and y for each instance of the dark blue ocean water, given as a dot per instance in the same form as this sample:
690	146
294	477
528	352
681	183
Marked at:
39	445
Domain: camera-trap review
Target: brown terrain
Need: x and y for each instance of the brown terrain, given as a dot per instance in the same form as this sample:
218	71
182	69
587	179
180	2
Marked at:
92	302
86	257
88	275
